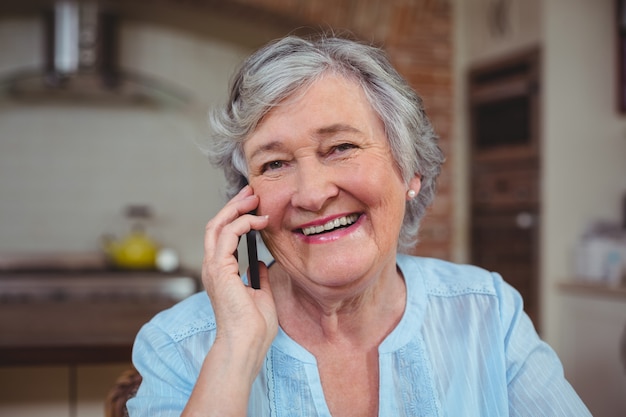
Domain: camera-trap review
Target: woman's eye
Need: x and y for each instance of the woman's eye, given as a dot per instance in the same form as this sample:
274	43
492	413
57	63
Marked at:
274	165
344	147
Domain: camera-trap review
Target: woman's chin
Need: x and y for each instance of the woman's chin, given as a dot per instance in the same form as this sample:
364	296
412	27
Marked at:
339	270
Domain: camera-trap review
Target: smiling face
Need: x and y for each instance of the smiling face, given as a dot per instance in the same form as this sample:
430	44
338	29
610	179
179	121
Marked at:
323	170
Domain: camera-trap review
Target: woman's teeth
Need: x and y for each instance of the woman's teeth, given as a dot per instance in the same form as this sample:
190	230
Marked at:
333	224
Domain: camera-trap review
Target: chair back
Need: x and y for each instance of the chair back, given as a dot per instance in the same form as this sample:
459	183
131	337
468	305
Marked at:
125	387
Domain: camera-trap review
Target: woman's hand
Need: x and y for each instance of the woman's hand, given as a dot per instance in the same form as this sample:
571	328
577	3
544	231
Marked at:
241	312
246	318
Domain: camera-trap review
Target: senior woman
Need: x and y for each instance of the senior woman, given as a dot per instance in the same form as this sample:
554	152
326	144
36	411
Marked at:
331	149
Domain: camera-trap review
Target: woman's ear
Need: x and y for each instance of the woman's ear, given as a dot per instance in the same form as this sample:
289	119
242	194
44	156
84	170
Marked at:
414	187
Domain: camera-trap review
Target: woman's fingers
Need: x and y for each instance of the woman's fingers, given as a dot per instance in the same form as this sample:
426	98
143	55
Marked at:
224	243
223	233
242	203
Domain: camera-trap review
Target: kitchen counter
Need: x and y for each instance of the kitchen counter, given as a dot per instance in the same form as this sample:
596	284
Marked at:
75	318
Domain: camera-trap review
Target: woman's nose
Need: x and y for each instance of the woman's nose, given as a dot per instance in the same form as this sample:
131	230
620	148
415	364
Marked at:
315	185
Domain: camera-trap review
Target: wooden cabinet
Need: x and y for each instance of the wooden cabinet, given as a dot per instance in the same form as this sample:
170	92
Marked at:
505	187
504	99
505	172
506	242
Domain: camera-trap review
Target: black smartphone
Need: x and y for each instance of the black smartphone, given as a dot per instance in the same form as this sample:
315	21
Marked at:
253	260
253	257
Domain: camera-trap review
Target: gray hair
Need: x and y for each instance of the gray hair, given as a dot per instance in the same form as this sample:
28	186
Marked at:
291	64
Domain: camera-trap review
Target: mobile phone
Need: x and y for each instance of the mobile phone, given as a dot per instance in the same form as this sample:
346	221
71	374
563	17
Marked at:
253	257
253	260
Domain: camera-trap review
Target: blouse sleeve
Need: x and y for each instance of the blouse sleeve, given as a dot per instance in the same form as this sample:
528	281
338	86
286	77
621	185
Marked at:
167	381
535	378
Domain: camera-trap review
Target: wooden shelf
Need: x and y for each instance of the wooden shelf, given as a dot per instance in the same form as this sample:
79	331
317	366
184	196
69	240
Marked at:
588	288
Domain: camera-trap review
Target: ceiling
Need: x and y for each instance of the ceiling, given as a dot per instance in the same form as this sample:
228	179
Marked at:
228	21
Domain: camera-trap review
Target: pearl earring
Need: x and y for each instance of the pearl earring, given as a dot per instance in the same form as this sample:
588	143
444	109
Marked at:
411	194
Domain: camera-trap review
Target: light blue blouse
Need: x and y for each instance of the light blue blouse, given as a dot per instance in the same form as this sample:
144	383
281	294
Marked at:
464	347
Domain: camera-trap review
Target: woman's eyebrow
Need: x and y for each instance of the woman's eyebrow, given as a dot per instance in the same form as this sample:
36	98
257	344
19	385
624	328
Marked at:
326	131
336	128
273	146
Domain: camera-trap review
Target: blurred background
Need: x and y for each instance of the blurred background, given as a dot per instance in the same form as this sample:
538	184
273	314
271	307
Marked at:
102	120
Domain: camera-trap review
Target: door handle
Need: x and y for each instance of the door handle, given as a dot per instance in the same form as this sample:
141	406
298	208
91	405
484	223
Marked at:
525	220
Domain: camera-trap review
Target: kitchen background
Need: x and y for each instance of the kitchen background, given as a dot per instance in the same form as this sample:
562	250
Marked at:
68	171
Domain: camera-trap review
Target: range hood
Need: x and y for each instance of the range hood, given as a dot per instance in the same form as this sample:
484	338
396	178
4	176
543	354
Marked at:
80	64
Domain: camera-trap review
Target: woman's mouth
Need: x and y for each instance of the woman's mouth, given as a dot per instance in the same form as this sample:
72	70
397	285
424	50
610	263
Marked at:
331	225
